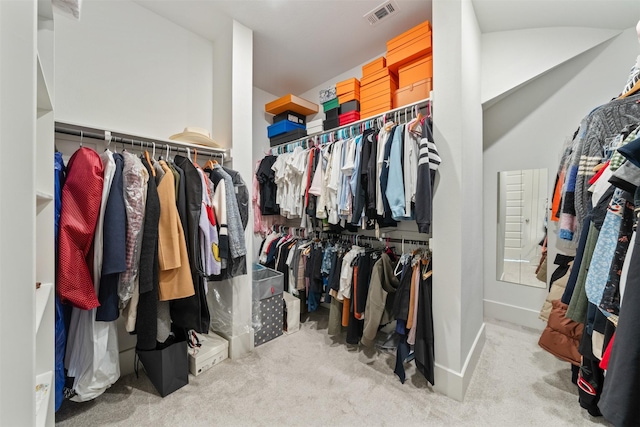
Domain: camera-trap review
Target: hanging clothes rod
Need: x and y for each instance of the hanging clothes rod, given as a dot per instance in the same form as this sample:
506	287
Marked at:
104	136
406	109
349	237
381	239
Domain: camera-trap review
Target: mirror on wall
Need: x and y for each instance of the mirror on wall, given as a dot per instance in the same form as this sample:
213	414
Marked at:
522	205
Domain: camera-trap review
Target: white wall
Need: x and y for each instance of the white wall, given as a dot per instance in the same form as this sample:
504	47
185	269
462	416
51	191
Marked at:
313	94
472	311
457	222
123	67
526	130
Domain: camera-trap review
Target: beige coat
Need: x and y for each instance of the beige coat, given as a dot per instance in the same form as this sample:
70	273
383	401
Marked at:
175	273
377	312
557	289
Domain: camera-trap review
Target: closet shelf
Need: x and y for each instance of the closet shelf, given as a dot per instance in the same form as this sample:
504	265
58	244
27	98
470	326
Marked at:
44	386
42	298
400	110
45	9
43	196
44	96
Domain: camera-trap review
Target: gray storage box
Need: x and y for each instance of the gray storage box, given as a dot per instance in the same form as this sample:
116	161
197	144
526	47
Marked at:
268	306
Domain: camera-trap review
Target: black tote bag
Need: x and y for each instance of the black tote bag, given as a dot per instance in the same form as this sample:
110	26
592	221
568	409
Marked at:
168	368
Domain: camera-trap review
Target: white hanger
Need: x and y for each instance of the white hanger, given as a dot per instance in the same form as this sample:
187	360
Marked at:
81	135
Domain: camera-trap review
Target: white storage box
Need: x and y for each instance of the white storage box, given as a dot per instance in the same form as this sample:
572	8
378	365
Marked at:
213	350
292	307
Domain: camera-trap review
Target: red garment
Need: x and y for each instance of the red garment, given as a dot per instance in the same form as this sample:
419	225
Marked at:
604	363
81	199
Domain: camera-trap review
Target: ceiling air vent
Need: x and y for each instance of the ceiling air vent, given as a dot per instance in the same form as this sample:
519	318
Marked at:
384	11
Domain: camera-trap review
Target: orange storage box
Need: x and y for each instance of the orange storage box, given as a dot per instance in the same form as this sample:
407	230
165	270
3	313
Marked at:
409	46
415	71
413	93
346	86
377	101
291	103
373	66
384	85
375	76
373	112
349	96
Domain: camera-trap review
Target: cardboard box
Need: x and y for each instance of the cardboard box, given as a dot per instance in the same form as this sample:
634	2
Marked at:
330	105
374	112
287	137
415	71
350	96
353	105
373	66
413	93
333	113
327	94
331	123
292	103
409	46
292	313
314	124
292	116
350	117
384	84
346	86
373	77
281	127
213	350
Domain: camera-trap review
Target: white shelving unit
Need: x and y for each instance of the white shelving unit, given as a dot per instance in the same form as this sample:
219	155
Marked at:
44	220
27	314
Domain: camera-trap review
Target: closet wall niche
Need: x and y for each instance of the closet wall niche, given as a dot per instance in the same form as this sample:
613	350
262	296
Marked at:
182	80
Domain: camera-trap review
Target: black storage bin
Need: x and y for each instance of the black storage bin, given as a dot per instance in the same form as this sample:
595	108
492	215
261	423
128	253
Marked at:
332	114
287	137
331	124
353	105
292	116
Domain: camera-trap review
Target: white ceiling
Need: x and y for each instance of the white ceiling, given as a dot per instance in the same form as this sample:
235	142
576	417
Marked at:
299	44
505	15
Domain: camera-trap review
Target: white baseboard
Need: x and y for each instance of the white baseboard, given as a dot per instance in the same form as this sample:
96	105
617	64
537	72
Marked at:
454	384
513	314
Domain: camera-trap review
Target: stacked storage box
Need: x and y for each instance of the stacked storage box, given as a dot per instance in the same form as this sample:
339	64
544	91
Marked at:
330	105
289	122
314	126
409	54
349	98
331	112
378	86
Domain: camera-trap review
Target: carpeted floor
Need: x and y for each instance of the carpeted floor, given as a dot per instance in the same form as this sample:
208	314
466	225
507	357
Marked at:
310	379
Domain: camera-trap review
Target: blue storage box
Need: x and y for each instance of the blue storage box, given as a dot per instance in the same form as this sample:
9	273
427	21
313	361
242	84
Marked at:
283	126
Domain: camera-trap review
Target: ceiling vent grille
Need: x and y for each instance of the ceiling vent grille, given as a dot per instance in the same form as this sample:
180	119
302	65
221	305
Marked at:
382	12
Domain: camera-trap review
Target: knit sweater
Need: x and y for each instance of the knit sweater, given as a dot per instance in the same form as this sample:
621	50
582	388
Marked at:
596	130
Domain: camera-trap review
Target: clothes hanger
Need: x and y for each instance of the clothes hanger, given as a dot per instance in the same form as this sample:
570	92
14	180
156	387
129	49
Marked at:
81	136
146	156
